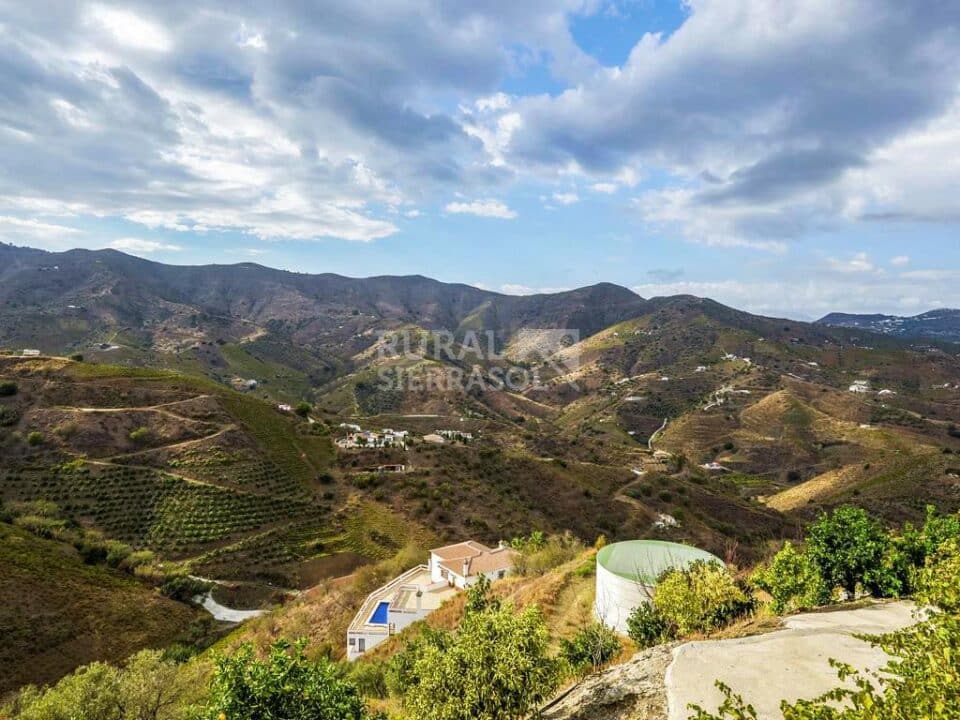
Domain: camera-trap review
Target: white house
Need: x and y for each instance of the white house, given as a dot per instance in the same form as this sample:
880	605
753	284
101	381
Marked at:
389	609
860	386
461	565
422	589
30	352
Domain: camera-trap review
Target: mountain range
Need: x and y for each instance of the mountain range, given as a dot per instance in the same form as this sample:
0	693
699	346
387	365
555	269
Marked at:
941	324
158	415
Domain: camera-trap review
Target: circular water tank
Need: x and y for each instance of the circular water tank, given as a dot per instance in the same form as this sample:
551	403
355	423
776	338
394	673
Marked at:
627	574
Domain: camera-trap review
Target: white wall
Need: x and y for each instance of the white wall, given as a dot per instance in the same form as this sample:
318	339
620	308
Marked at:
617	597
371	640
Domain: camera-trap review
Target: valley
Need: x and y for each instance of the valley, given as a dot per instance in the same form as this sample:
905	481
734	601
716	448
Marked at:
191	425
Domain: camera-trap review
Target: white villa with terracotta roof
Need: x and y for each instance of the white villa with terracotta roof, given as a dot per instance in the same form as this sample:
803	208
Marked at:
461	565
422	589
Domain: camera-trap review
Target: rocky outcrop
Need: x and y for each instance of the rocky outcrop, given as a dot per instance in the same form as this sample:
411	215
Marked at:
632	691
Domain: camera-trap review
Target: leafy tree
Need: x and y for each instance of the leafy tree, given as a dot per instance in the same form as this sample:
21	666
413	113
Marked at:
591	648
938	583
647	627
401	673
284	686
303	408
8	388
147	687
851	548
700	598
480	597
937	529
495	667
793	580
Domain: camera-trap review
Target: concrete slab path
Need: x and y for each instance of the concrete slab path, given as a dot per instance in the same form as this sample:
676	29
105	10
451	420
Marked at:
790	664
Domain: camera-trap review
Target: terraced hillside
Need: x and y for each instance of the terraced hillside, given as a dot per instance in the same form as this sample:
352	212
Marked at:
171	464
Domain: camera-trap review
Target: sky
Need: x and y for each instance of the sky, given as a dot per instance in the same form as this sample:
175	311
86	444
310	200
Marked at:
787	157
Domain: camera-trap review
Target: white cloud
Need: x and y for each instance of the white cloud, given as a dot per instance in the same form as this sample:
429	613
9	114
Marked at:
516	289
812	295
493	103
718	227
858	263
141	245
482	208
604	187
566	198
900	260
247	38
31	228
128	28
732	110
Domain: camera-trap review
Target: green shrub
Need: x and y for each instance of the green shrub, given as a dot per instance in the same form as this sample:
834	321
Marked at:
140	435
369	677
938	582
496	666
539	555
937	529
147	686
184	588
8	416
41	526
401	671
303	408
591	648
35	438
700	598
647	627
793	580
8	388
284	686
851	548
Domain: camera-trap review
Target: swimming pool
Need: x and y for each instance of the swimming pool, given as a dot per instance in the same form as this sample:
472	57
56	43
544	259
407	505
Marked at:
379	616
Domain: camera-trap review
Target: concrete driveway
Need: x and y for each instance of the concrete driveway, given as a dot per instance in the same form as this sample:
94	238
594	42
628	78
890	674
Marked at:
790	664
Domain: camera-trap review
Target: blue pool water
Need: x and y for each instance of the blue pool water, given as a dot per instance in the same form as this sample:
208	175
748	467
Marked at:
379	616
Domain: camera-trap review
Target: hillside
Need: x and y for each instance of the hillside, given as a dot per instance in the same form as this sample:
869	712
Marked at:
170	431
56	612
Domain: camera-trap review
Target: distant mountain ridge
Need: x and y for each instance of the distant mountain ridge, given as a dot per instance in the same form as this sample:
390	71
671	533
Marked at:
106	288
943	324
